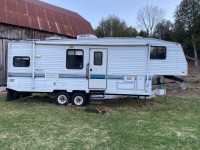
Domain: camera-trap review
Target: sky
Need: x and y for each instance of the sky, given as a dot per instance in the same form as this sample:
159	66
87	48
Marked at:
94	10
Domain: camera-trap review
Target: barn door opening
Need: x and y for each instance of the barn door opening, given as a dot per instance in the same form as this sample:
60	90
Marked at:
98	69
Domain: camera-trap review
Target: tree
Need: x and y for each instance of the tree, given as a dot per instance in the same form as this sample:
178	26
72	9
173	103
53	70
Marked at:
187	19
148	17
163	30
131	32
113	26
143	33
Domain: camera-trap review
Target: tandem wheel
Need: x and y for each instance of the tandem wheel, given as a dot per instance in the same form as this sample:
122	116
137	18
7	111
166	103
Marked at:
62	98
79	99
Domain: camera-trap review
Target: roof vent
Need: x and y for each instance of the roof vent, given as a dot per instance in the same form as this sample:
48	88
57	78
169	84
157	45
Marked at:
86	36
139	37
53	38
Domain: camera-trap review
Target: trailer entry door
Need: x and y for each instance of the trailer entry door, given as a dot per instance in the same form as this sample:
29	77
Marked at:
98	69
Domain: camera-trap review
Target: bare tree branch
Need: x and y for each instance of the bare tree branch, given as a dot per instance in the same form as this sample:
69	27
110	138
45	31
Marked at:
148	17
190	58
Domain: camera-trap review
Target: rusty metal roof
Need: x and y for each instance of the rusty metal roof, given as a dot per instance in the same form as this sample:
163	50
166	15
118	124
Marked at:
39	15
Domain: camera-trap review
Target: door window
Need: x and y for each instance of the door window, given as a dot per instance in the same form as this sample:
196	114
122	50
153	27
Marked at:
98	58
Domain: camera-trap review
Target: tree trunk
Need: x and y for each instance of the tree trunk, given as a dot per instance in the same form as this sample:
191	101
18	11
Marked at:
196	60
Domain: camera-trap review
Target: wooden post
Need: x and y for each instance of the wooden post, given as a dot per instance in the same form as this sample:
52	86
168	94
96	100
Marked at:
4	49
1	62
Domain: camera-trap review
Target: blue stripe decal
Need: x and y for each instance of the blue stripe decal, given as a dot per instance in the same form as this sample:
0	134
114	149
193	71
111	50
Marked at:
73	77
68	76
23	76
95	76
115	78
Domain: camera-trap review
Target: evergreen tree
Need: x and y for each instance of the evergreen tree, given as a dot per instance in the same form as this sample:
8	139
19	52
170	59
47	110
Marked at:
186	28
163	30
113	26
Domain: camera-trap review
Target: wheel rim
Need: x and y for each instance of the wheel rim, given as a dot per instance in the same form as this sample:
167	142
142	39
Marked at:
62	99
78	100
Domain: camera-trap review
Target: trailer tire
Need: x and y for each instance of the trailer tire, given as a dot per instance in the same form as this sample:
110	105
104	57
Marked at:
78	99
10	95
17	96
62	98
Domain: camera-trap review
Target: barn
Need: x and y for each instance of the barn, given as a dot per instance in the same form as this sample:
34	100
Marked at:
34	19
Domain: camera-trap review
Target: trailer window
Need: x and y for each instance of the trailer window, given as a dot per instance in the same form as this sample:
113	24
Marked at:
21	61
98	57
74	59
158	52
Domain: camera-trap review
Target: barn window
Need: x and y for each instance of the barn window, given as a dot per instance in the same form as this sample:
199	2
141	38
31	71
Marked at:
98	57
158	52
74	59
21	61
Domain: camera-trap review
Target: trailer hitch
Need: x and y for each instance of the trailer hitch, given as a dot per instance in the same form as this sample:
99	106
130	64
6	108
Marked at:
182	85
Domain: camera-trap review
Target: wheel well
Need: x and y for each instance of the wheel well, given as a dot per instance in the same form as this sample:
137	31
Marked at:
76	91
83	92
56	91
71	93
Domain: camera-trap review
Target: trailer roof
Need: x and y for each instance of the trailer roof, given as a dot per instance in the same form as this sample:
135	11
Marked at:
108	42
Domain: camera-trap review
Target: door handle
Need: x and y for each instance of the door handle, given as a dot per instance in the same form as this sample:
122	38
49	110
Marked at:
90	69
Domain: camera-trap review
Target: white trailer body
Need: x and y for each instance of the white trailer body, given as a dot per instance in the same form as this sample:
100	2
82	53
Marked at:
114	66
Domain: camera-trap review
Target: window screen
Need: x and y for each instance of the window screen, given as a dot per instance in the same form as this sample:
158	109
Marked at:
74	59
21	61
158	52
98	57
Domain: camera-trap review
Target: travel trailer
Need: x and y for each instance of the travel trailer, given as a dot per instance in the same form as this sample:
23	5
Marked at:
75	69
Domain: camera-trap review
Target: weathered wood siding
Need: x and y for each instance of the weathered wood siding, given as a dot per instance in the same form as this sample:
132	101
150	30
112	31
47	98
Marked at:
3	59
9	33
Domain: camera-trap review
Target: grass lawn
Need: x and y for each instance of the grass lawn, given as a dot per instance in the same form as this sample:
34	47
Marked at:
165	124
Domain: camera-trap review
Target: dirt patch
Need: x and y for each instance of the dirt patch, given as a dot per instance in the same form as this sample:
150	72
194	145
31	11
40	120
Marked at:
2	89
13	112
154	103
37	98
192	82
127	102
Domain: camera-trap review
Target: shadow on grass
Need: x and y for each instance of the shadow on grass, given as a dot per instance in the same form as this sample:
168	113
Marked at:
132	102
113	103
36	98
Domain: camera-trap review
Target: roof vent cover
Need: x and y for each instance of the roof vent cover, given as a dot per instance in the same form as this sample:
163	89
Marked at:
53	38
86	37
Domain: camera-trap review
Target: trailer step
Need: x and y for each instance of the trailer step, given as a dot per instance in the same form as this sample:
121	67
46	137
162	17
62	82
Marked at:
97	94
